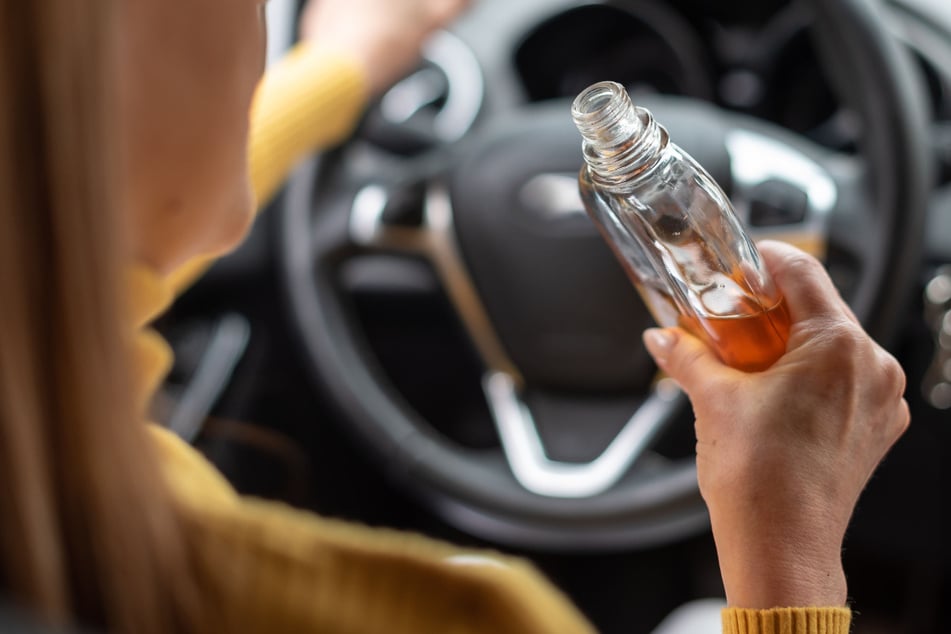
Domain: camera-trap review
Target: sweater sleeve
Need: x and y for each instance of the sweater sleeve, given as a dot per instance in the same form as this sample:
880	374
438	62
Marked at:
308	101
277	569
830	620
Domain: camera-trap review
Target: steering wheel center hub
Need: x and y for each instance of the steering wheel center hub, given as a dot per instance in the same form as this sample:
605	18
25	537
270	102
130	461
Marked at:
532	253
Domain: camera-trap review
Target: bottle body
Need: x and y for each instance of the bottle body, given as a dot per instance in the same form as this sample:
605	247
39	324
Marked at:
679	240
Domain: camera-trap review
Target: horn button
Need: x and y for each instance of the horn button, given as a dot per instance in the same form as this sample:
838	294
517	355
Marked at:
561	304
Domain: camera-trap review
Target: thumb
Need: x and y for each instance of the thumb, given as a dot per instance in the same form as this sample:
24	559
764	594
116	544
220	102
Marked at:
683	357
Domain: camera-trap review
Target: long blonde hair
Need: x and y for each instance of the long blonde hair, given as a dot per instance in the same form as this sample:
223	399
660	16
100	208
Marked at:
88	532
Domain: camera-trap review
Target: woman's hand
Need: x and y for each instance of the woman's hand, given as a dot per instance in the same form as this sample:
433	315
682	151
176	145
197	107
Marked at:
384	36
782	455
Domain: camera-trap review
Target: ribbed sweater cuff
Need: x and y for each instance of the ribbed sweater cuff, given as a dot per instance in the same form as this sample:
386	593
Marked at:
787	621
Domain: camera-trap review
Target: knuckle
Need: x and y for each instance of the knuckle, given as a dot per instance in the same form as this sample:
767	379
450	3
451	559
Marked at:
846	342
887	380
803	268
905	417
798	262
900	421
894	375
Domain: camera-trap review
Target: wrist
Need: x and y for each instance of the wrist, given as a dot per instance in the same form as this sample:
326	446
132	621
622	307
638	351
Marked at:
784	585
781	573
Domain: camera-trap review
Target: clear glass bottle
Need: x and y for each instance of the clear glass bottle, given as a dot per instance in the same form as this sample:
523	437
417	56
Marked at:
675	232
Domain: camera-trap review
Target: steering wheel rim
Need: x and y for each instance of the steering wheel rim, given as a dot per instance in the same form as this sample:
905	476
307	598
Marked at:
657	501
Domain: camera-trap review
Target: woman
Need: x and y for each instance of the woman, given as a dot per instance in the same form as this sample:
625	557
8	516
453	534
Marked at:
122	159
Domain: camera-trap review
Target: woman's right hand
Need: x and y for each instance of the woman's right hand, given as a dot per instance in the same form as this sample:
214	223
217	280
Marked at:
782	455
384	36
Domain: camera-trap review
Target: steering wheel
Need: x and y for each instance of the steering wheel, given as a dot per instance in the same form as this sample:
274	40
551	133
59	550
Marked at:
494	210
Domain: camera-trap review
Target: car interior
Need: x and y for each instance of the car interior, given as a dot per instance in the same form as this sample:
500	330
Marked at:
425	331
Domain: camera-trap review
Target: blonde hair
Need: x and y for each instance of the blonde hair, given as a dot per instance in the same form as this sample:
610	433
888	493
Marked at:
88	532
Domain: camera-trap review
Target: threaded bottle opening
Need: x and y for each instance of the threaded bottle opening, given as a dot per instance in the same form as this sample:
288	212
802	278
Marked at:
605	114
622	143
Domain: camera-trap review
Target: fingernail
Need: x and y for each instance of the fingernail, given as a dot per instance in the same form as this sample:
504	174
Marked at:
659	343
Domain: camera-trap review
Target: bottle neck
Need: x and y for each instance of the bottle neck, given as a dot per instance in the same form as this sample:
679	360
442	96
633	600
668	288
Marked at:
622	143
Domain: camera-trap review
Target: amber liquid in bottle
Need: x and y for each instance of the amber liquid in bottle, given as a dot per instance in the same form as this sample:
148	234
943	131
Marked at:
750	342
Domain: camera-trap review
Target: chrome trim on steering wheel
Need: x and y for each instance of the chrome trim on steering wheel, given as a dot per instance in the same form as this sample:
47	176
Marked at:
465	92
755	159
539	474
435	240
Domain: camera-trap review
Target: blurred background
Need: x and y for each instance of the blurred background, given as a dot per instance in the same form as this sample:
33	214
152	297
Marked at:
347	378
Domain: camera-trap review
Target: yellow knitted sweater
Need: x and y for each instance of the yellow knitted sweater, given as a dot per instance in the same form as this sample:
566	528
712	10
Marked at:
281	570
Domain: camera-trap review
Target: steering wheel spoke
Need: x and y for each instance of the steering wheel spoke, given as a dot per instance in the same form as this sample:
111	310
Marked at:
529	460
787	188
781	189
368	226
433	239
